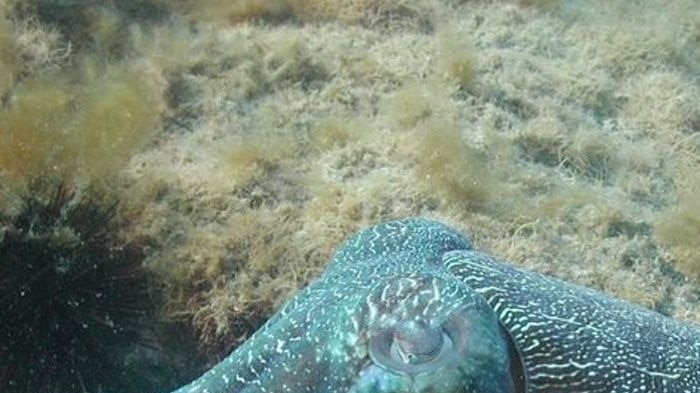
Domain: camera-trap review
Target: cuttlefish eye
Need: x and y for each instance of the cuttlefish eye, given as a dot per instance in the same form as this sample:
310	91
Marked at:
416	343
412	347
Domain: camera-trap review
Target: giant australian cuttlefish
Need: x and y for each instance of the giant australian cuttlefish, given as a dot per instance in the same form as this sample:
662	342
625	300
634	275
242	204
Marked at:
410	306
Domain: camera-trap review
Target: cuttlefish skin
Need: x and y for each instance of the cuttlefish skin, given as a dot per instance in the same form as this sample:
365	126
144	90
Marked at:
409	306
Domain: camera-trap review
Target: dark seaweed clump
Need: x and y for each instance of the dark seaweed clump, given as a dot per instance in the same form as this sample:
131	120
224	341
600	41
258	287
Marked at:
74	301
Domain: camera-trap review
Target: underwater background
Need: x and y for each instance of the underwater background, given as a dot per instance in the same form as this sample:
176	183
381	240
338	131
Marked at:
171	171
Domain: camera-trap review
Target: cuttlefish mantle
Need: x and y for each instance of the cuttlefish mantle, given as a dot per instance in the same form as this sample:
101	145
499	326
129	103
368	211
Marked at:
410	306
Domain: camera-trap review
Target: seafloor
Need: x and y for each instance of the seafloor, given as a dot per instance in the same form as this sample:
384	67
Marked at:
246	139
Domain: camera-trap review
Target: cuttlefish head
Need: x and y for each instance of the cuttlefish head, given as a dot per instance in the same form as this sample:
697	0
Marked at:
384	318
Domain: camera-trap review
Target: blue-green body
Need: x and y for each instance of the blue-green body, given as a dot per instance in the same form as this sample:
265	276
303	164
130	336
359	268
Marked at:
409	306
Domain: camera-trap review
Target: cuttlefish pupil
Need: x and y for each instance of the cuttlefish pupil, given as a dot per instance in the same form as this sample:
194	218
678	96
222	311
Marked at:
416	343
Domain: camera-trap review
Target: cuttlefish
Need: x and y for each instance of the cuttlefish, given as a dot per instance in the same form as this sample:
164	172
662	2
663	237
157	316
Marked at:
410	306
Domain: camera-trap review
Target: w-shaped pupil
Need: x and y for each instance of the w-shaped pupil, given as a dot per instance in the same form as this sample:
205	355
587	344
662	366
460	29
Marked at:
416	342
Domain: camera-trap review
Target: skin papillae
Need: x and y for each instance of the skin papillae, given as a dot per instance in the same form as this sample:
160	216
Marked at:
409	306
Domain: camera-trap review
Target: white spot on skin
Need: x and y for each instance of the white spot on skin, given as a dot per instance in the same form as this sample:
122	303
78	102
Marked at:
280	346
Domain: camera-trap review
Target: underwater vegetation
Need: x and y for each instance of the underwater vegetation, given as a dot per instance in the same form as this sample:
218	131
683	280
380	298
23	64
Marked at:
77	20
365	12
89	25
7	59
83	124
679	228
519	122
74	299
